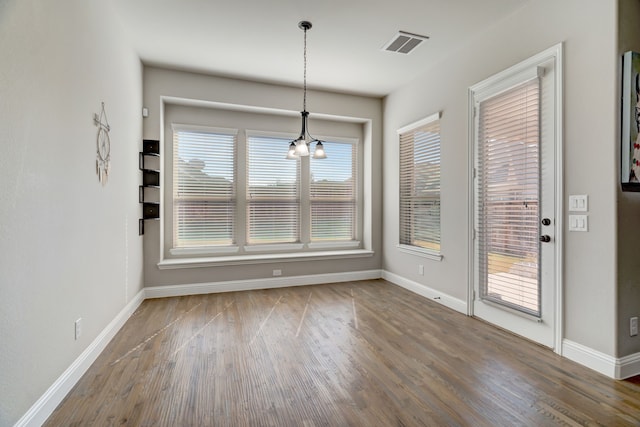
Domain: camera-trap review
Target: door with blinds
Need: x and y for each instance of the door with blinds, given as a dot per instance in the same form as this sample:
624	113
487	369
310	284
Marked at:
515	206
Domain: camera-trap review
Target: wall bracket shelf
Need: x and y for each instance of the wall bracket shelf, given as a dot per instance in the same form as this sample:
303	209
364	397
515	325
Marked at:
150	179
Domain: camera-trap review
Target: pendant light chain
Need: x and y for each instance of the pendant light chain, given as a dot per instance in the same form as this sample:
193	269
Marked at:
304	101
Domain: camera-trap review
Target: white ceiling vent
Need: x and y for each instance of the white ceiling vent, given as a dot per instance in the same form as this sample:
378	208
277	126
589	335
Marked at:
404	42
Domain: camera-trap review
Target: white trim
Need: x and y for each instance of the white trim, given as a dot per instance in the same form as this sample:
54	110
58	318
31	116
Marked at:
364	157
411	126
264	283
335	244
272	247
519	73
47	403
250	133
471	197
181	127
205	250
421	252
427	292
506	80
557	50
616	368
529	68
174	263
628	366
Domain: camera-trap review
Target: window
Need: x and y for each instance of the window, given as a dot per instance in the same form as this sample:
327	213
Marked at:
204	187
273	194
420	185
334	193
234	192
508	191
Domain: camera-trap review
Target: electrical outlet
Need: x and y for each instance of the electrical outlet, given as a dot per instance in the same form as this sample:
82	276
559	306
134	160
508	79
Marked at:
633	326
421	270
277	273
78	328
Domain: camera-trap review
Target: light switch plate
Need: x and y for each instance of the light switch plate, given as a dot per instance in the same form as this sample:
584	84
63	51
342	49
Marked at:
578	223
579	203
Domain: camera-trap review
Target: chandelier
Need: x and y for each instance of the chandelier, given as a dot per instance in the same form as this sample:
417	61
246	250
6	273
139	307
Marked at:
299	147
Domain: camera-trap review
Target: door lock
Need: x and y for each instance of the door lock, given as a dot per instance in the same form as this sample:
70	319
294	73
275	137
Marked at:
545	238
546	221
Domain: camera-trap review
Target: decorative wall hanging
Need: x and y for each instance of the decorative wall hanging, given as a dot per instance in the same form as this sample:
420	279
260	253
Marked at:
103	146
630	147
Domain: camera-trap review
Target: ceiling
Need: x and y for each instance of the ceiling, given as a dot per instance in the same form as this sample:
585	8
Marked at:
260	39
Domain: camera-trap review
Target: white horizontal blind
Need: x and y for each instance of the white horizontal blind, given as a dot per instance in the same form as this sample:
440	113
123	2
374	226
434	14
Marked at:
334	193
420	187
273	200
508	194
203	188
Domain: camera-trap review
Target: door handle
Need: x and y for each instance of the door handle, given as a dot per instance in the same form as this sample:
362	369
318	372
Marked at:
545	238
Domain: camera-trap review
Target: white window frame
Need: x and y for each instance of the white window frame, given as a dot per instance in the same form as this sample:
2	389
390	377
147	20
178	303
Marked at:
212	249
501	81
274	246
413	249
243	254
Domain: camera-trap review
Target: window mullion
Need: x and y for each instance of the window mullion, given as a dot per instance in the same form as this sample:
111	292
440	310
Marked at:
240	232
305	203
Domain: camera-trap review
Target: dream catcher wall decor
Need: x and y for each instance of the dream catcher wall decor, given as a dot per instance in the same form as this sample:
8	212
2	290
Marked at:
103	146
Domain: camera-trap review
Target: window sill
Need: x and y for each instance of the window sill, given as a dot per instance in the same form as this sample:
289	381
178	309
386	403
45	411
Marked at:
274	247
208	250
424	253
171	264
347	244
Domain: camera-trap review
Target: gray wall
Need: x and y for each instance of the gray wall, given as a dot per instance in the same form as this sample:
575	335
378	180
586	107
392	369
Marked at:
628	209
159	83
589	34
69	246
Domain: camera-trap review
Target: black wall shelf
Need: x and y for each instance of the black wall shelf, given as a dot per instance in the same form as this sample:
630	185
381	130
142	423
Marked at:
150	179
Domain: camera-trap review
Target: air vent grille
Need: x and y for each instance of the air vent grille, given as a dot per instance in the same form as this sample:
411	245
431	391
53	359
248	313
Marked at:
404	42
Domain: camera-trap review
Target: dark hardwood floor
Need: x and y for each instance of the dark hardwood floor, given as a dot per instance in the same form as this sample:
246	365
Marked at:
351	354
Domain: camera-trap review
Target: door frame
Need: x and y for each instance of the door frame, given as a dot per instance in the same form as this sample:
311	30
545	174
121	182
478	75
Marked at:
555	53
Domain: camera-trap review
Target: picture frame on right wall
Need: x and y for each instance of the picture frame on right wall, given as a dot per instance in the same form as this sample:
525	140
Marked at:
630	141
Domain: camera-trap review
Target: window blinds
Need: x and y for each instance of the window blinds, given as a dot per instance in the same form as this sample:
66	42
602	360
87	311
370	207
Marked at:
334	193
273	200
508	194
203	188
420	186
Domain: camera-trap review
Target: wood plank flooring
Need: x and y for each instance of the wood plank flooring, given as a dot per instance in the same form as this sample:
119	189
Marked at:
351	354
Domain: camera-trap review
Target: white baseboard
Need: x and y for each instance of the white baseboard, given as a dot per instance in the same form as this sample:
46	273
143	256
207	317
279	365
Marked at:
268	283
628	366
427	292
589	357
44	407
616	368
